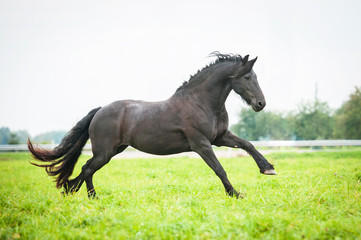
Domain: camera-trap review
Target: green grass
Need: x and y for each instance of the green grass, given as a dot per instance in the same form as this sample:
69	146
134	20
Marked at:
314	196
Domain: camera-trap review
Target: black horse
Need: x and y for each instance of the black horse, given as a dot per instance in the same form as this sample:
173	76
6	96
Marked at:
193	119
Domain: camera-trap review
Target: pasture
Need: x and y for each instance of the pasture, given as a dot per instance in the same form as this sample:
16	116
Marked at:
314	196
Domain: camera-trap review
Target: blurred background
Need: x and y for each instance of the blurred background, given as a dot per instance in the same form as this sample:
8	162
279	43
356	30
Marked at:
60	59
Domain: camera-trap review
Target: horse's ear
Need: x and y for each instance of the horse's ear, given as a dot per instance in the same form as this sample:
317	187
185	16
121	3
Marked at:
251	62
244	60
247	66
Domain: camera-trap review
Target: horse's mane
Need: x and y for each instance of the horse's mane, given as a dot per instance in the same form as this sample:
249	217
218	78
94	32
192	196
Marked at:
220	58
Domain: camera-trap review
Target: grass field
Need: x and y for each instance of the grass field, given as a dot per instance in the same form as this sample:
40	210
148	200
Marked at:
314	196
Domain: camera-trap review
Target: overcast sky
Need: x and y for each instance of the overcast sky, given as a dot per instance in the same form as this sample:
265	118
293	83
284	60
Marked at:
60	59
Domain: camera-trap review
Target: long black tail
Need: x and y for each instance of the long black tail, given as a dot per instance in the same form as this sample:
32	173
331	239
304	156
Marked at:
62	159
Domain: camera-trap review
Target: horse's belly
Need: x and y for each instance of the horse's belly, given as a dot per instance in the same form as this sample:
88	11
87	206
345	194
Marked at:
154	128
162	151
161	144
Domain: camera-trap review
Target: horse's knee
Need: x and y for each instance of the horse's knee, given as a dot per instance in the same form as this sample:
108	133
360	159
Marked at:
248	146
94	165
87	171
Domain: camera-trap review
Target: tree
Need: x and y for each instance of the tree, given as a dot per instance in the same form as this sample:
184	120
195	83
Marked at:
245	128
50	137
23	136
9	137
4	135
348	118
14	139
313	121
263	125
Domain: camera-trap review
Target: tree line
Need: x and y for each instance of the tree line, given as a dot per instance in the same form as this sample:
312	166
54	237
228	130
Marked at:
313	120
21	137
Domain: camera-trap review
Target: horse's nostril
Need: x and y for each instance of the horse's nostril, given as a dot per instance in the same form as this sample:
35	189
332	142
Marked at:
260	104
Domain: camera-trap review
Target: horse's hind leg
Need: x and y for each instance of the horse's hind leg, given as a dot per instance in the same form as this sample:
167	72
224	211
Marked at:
93	165
72	186
88	169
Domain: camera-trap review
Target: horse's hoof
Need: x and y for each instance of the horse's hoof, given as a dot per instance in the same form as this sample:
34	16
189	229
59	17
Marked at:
236	194
241	195
270	172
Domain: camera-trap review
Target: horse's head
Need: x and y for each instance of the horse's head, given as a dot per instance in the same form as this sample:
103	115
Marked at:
245	83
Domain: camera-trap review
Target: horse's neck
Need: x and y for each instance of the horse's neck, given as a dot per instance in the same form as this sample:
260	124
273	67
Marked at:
211	93
212	90
218	92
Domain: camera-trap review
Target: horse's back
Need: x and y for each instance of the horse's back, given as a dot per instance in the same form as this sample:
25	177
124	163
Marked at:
153	127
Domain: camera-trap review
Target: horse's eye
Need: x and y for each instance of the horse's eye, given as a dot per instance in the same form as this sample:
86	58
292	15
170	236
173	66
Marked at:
247	77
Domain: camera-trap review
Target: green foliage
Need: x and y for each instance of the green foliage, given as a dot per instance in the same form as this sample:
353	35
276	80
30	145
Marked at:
14	139
262	125
313	121
50	137
348	118
9	137
4	135
315	196
23	136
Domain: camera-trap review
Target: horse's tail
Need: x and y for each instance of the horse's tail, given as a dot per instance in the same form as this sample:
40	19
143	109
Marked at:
61	160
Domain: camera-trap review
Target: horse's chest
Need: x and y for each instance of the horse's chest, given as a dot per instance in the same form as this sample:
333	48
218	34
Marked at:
210	128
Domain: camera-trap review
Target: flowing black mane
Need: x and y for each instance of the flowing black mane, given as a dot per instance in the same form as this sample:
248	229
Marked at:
220	58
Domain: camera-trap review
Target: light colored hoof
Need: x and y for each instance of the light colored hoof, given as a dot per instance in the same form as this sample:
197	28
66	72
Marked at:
270	172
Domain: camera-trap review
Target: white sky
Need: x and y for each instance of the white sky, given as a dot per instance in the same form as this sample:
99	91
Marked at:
60	59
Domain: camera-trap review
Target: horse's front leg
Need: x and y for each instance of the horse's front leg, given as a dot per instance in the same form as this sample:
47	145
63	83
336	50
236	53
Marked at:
230	140
207	154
